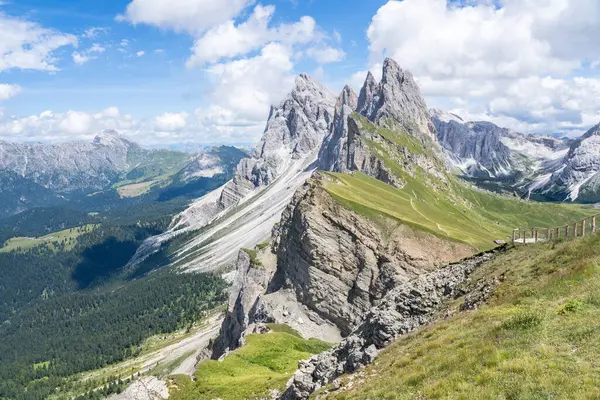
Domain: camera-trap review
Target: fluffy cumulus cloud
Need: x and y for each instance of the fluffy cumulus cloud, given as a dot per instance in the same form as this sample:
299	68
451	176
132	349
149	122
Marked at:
517	62
28	45
249	61
7	91
171	121
71	125
192	16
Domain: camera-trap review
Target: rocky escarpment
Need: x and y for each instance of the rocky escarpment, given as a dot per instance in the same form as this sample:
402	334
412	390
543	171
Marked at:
394	105
251	281
334	152
340	263
579	174
404	309
476	149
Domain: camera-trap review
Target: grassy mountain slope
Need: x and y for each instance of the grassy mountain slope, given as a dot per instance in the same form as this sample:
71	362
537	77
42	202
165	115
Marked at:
477	220
432	200
265	362
538	338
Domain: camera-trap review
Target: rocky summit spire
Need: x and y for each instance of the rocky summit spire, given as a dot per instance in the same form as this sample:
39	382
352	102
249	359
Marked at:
366	100
333	154
396	97
294	131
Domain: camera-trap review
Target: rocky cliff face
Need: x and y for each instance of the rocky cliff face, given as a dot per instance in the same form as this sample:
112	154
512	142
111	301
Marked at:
476	148
396	103
334	152
404	309
512	160
340	264
483	150
294	132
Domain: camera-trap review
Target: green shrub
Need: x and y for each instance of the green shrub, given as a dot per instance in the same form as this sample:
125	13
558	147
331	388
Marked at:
571	306
524	320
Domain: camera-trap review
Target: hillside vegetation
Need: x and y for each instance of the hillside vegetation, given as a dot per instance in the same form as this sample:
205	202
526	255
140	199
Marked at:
437	203
538	338
266	362
463	214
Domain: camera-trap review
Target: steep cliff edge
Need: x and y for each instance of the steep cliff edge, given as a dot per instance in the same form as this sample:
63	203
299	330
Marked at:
340	263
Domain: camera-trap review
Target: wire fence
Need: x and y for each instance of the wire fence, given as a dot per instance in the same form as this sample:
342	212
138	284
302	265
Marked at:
580	228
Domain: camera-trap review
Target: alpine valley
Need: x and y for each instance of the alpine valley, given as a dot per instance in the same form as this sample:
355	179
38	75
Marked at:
360	251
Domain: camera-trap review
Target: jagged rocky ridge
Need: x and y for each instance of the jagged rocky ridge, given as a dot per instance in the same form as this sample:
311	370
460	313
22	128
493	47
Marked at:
483	150
532	165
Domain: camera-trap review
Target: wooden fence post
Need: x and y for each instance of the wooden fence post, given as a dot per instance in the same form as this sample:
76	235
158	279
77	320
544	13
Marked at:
594	224
567	232
548	235
535	236
524	236
575	230
514	235
583	228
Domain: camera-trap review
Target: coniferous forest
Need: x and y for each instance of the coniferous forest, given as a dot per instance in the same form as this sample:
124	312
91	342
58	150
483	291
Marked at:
74	305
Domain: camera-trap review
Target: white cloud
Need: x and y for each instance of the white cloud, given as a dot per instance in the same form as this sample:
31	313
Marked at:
228	40
96	48
71	125
140	53
76	122
28	45
325	54
7	91
81	58
171	121
192	16
249	86
513	59
112	112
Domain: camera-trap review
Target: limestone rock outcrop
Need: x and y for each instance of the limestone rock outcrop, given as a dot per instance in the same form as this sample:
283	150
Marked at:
404	309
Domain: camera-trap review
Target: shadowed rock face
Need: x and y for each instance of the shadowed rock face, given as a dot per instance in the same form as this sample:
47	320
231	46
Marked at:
334	152
294	129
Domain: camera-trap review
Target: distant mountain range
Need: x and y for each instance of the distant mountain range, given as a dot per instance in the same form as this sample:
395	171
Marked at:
36	175
543	167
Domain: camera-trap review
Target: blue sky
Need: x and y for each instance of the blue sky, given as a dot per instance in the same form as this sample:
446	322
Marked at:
206	71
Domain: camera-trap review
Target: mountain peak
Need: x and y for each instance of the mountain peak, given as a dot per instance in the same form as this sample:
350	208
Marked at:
396	97
112	138
347	98
445	116
366	99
